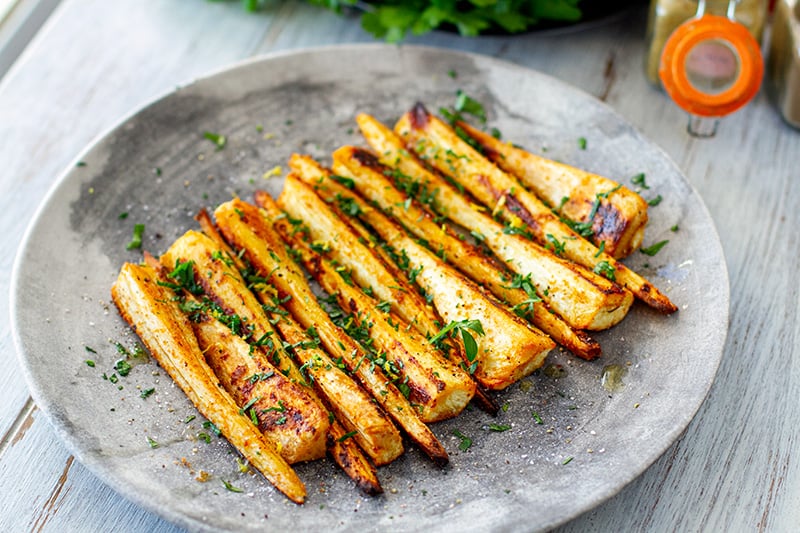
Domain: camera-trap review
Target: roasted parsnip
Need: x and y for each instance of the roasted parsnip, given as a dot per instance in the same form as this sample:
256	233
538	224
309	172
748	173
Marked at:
301	425
246	227
344	451
583	299
371	181
437	144
510	349
340	242
615	215
166	332
351	405
292	419
439	388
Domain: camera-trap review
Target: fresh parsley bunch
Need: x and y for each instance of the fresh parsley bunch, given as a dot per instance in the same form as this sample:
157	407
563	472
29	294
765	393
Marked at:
391	20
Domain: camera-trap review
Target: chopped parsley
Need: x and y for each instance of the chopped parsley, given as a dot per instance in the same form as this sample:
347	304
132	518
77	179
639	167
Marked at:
567	460
654	248
348	435
467	104
209	425
147	392
343	180
639	179
582	143
152	443
604	268
89	363
231	487
558	247
499	427
136	239
183	274
470	345
464	441
537	418
654	201
123	367
219	140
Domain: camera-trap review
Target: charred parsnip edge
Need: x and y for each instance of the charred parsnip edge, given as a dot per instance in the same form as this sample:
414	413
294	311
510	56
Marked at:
437	144
391	152
167	334
615	215
246	227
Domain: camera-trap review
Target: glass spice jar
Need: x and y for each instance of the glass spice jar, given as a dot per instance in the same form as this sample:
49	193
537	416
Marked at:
666	15
783	66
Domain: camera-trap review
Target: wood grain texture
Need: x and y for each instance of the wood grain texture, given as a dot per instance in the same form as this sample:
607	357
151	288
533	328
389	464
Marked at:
731	470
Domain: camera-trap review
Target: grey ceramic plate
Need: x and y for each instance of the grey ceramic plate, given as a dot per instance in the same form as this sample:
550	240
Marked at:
157	167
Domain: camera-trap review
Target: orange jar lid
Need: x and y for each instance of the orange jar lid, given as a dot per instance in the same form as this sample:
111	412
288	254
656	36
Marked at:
711	66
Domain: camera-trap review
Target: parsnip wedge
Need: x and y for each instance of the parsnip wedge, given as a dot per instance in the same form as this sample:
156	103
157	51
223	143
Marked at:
583	299
510	349
615	215
345	452
351	405
245	227
293	420
372	181
353	408
437	387
355	249
341	243
167	334
215	272
437	144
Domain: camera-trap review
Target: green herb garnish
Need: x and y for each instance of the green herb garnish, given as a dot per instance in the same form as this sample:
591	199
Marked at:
219	140
231	487
639	179
654	248
348	435
465	442
136	240
604	268
147	392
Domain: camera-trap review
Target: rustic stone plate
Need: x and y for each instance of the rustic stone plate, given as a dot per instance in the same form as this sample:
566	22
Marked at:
158	168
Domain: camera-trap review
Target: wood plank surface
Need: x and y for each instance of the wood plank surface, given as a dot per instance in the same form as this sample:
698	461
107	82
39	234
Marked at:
96	61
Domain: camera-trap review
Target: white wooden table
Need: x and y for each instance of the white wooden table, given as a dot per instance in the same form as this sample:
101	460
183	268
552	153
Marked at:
95	61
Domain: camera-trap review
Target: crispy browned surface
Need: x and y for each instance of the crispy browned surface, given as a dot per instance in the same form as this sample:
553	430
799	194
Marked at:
352	406
583	299
301	424
167	334
619	220
437	144
439	387
248	228
510	349
295	422
391	152
344	451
